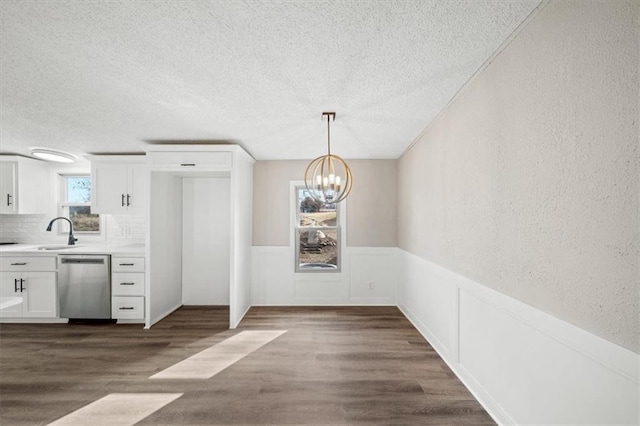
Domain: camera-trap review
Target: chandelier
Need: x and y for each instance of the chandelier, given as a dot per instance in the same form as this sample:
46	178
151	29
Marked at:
328	178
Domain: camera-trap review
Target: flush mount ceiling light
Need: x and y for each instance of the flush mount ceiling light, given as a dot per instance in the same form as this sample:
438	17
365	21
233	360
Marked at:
328	178
53	155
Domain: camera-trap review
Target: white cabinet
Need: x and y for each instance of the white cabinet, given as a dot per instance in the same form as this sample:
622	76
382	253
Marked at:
191	160
127	288
28	277
119	186
8	187
24	186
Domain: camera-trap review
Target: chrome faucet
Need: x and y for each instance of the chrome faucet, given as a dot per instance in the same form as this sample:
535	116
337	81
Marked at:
72	239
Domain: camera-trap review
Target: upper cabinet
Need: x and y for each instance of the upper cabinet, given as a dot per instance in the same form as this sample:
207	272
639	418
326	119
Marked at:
23	186
195	159
119	184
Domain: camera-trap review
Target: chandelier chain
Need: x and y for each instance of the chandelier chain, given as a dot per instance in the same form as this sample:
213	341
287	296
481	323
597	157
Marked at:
329	134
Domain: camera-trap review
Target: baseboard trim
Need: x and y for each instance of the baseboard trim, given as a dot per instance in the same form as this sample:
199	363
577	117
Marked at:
234	326
164	315
34	320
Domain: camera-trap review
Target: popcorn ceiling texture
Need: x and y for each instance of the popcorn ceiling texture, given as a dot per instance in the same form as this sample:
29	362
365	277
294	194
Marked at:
528	183
108	75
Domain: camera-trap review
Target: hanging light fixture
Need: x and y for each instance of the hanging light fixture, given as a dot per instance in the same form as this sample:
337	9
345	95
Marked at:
328	178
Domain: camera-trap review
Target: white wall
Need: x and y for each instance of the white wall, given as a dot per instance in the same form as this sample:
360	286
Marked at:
368	277
164	247
205	241
242	236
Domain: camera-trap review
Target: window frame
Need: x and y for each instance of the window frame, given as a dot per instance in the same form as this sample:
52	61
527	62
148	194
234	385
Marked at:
64	205
296	230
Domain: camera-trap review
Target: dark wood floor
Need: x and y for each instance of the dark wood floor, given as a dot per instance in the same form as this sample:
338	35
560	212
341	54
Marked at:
352	365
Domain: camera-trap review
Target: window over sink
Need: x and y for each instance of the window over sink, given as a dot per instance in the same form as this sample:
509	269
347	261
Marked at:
75	203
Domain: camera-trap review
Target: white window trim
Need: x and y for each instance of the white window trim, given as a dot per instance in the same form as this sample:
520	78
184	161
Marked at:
342	231
63	230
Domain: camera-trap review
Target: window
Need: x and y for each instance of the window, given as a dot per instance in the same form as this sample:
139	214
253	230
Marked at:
76	205
317	234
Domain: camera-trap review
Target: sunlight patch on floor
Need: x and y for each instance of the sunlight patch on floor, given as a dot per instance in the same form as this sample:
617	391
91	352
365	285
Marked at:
213	360
122	409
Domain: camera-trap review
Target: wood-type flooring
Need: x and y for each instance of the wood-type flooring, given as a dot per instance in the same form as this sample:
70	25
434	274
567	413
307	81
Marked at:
333	366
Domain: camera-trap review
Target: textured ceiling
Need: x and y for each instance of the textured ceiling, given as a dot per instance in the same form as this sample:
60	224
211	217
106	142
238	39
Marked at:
113	76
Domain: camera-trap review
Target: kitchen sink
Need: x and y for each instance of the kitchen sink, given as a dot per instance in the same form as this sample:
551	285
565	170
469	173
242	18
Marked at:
66	247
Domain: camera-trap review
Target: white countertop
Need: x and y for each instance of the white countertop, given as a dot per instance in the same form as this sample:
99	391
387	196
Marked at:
32	249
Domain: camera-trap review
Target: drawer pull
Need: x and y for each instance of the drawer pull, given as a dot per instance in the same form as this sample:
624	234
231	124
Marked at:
187	164
126	264
126	308
127	283
19	264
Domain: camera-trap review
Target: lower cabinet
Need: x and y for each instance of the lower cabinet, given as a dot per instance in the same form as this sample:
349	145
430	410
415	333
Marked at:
127	307
127	288
38	292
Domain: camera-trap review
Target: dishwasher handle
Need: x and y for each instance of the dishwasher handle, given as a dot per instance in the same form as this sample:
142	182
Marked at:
81	261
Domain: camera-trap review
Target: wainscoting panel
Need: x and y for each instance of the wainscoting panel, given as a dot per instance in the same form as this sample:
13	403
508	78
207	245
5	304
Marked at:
368	277
523	365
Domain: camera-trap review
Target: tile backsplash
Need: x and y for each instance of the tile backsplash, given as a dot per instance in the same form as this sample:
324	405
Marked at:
31	229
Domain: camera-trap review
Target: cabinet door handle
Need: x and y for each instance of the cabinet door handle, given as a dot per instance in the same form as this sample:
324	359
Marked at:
19	264
187	164
127	283
9	199
126	264
15	285
122	200
21	287
126	308
128	200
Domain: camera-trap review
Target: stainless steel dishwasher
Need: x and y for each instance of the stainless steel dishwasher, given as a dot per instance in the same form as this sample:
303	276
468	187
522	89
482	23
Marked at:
84	286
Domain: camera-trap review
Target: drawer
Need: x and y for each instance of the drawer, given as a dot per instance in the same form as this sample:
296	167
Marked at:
186	160
127	307
28	263
127	284
127	264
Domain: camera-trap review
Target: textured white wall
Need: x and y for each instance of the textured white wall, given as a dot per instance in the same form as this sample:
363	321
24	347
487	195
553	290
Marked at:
528	183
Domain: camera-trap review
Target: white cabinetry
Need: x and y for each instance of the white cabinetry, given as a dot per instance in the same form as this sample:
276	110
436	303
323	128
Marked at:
33	279
23	186
191	160
127	288
119	184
